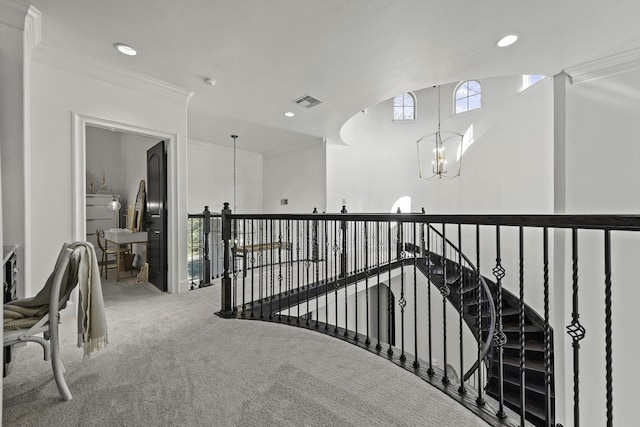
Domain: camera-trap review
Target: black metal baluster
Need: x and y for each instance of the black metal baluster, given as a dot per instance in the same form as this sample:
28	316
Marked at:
355	272
253	260
402	302
608	326
479	400
430	371
378	309
389	294
499	337
307	265
261	292
575	330
461	388
289	264
547	330
279	269
445	291
416	364
315	250
345	273
326	274
234	267
244	264
521	320
367	237
336	248
298	266
272	270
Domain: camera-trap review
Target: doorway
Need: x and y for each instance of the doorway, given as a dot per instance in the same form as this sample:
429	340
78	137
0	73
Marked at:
115	167
176	217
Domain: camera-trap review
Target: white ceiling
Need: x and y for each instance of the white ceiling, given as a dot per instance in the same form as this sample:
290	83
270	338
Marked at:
350	54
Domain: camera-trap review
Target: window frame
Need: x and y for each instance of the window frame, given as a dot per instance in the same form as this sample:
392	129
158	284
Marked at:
414	107
467	97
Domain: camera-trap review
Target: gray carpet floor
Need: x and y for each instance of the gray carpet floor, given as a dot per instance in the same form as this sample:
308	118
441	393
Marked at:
171	362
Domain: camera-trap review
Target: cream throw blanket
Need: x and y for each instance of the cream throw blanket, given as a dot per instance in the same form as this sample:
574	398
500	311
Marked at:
92	321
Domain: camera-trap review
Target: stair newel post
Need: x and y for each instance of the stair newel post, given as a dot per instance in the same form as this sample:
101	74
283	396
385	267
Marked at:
206	263
378	309
445	291
479	400
461	388
226	278
521	321
389	295
428	261
575	330
344	273
499	338
416	364
270	293
289	249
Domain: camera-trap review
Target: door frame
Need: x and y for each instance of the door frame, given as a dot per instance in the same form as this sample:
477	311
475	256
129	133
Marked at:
79	172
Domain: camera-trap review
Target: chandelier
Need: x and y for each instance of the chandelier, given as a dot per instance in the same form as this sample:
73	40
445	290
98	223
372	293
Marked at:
446	156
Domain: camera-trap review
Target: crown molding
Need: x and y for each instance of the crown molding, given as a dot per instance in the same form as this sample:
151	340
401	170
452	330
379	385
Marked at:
13	13
48	54
604	67
33	28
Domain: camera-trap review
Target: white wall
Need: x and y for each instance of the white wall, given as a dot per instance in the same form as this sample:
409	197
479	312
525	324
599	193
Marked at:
512	151
103	161
603	121
211	178
298	175
58	93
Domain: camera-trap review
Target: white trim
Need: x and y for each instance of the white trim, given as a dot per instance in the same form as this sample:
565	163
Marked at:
33	29
604	67
78	186
13	13
50	55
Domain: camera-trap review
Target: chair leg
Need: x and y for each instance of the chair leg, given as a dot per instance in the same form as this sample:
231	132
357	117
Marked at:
56	362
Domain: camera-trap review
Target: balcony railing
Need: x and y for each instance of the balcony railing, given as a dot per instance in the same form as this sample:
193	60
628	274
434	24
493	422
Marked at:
369	279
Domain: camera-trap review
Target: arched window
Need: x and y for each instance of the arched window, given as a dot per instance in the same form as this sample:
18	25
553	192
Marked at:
468	96
404	107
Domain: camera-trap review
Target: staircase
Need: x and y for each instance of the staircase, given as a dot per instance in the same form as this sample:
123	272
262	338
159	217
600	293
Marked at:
463	284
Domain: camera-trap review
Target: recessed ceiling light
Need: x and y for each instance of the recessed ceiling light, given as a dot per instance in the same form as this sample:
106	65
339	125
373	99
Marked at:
507	40
210	82
289	114
126	49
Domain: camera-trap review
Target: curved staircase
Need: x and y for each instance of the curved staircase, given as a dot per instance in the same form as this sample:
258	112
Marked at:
463	284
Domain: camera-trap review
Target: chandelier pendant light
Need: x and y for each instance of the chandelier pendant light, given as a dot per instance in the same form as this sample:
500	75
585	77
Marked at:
446	151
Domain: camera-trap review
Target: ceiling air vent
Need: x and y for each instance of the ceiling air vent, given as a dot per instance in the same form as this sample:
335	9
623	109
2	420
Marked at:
307	101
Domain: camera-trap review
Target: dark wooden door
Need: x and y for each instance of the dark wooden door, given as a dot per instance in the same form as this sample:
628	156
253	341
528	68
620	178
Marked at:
157	215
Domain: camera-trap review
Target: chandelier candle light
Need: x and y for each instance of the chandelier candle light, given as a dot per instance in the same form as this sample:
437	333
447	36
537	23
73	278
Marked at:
440	140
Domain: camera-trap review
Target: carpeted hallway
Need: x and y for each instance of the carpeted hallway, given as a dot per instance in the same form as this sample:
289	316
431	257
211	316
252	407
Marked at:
171	361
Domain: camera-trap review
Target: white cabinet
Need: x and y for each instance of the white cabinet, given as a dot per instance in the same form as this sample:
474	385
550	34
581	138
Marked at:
100	216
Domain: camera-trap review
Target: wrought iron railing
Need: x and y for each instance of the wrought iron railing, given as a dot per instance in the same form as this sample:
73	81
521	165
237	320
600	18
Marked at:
347	274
